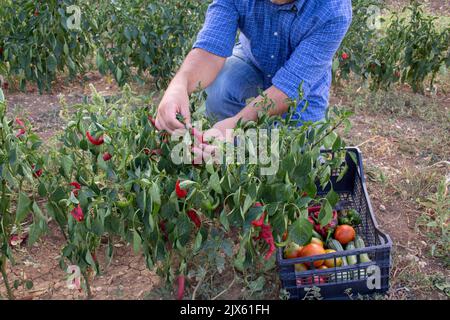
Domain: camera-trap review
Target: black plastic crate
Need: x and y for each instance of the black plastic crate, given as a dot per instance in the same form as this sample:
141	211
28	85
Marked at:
340	282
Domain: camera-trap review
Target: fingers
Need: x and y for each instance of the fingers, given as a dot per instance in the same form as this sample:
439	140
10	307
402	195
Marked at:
198	155
166	118
213	134
206	153
159	122
185	112
198	135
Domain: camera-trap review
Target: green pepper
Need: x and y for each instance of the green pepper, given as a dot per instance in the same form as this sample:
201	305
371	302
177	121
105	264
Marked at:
208	204
350	217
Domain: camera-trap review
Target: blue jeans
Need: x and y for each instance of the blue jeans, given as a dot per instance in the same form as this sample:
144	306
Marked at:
238	81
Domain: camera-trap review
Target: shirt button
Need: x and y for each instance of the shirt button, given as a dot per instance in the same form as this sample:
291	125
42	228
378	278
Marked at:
269	76
275	34
272	57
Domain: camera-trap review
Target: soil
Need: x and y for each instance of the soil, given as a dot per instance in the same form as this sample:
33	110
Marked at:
125	278
440	7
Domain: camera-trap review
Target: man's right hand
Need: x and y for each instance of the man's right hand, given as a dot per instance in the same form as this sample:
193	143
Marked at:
175	101
200	68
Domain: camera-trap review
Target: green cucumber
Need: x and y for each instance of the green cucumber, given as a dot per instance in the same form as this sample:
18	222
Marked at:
351	260
335	245
359	243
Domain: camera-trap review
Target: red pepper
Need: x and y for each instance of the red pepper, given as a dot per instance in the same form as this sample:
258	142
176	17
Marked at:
36	173
153	152
21	132
325	230
94	141
314	209
181	193
265	233
164	136
5	85
152	121
76	186
180	292
259	222
156	152
77	213
20	123
345	56
194	218
107	156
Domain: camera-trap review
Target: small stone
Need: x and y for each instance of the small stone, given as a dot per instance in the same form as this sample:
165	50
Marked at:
411	257
57	285
422	264
382	207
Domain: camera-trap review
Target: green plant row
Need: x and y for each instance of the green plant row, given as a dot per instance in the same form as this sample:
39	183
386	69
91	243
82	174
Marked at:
128	39
408	48
137	39
112	178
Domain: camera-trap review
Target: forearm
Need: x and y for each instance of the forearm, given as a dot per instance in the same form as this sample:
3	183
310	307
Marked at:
199	69
273	94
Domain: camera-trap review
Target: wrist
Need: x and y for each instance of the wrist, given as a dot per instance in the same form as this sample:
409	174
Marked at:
177	88
246	114
179	84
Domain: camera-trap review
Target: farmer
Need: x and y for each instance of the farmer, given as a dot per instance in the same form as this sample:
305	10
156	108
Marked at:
283	44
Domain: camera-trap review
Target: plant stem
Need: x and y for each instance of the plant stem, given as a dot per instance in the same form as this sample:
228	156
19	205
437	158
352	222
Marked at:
5	279
88	286
328	133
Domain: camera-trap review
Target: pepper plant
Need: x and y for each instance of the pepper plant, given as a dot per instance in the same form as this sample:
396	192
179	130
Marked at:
115	178
37	42
21	172
144	37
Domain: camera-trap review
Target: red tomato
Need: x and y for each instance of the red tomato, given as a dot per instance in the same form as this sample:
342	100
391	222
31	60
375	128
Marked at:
344	233
292	250
310	250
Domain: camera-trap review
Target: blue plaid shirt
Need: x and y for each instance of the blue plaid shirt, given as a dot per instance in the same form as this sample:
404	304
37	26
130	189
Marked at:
291	44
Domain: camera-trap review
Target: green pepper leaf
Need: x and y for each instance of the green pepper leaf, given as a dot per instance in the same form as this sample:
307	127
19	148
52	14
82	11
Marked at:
23	207
300	231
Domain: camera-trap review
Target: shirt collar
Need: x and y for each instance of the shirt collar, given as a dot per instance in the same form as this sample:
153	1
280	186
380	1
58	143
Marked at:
292	6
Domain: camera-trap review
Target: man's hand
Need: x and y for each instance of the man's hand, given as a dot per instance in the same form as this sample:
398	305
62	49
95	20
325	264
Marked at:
175	101
199	69
222	130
